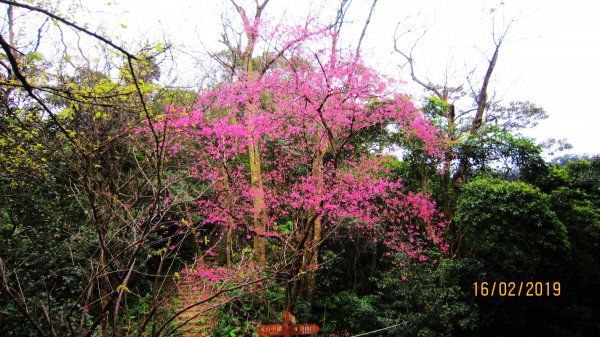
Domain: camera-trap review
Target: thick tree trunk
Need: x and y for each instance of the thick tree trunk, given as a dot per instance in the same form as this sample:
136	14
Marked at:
229	235
317	173
259	218
482	101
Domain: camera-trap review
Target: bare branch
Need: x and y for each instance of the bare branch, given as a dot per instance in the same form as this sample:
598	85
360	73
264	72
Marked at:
70	24
411	63
362	34
17	72
482	97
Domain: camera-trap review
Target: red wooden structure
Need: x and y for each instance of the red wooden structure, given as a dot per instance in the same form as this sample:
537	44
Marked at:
286	329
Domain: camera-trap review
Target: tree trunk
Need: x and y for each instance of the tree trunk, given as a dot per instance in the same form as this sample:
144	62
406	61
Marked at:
229	236
317	173
259	218
482	101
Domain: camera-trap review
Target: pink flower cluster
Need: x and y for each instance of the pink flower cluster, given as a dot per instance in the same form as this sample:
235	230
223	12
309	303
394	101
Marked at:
305	114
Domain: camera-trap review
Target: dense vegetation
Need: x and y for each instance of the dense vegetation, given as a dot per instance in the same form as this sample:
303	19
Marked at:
299	179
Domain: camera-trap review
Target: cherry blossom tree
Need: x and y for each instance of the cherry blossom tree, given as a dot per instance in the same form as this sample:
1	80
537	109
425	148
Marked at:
295	126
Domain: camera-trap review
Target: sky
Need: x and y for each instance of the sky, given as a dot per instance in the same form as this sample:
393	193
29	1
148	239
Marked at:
550	56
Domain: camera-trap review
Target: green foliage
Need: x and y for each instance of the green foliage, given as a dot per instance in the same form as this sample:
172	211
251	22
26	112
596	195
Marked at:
20	144
575	199
517	233
517	115
418	298
241	316
499	153
436	109
43	248
510	227
347	310
425	299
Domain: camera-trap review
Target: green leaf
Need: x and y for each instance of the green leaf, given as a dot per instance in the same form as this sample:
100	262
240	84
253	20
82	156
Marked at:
124	288
34	56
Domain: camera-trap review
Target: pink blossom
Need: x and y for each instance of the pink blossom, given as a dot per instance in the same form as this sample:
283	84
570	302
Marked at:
317	99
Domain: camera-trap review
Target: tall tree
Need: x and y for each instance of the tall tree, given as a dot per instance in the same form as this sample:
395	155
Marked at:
307	113
481	107
98	188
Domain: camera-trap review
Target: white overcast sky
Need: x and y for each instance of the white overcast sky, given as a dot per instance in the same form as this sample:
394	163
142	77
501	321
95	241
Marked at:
552	57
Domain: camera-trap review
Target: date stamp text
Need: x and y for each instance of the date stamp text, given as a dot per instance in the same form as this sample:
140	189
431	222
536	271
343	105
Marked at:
517	289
